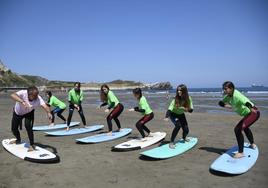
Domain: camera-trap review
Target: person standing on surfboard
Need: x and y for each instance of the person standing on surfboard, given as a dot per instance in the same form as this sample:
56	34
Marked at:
235	100
145	109
180	104
59	107
26	102
115	108
75	98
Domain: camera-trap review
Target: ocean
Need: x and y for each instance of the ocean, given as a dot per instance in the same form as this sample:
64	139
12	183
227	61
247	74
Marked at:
205	100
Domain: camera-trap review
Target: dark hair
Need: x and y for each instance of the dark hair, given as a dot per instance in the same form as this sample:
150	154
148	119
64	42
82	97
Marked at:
49	93
78	83
228	84
103	95
32	89
137	91
182	100
104	86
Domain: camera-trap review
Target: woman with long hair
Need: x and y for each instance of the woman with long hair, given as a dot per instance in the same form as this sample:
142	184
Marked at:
115	108
176	112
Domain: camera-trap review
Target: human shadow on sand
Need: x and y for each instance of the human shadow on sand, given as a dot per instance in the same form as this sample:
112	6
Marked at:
52	149
219	151
222	174
146	158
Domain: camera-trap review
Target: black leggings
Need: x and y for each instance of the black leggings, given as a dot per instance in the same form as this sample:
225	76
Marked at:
114	115
71	110
179	120
57	111
17	121
141	124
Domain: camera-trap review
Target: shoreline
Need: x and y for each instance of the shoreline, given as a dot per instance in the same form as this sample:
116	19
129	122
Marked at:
94	165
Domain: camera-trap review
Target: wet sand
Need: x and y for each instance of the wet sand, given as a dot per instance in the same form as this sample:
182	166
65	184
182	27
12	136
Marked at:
94	165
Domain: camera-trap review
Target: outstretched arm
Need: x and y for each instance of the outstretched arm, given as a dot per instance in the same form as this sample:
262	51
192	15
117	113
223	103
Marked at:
47	109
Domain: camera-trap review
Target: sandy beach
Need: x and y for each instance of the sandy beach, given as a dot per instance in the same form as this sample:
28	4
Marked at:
94	165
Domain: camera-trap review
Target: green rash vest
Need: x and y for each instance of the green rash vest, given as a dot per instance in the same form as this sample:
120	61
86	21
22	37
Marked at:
143	104
112	98
238	101
179	110
74	97
54	101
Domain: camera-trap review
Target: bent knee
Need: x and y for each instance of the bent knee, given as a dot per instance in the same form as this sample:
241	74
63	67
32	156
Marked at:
138	125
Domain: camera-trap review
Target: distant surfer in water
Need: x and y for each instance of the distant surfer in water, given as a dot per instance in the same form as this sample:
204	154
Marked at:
235	100
59	107
75	98
26	102
180	104
115	108
145	109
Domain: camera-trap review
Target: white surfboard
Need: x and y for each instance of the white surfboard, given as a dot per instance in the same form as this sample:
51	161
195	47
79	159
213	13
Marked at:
75	131
53	127
39	155
227	164
139	143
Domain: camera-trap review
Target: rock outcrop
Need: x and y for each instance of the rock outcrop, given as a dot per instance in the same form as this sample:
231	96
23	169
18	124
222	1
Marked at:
159	86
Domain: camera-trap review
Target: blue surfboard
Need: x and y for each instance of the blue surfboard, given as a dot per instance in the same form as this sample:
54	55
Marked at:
74	131
164	152
227	164
105	137
57	126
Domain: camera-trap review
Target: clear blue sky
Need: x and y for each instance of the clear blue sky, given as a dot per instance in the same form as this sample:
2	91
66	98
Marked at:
200	43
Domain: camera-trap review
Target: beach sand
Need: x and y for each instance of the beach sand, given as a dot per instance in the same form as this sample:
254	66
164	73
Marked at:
94	165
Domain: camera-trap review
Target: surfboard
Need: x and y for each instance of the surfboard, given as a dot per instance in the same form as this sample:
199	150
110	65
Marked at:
105	137
39	155
57	126
74	131
164	152
139	143
227	164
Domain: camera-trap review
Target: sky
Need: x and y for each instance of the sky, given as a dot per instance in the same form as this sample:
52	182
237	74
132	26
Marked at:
200	43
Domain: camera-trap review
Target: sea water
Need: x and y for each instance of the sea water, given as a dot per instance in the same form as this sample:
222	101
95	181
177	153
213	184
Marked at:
205	100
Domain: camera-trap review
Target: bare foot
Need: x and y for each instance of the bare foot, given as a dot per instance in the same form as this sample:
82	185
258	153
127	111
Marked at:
67	128
238	155
186	140
31	148
51	124
151	134
172	145
13	142
253	146
110	133
143	139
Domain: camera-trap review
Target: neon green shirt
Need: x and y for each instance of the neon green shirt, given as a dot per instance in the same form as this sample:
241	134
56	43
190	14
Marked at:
112	98
74	97
179	110
238	101
54	101
143	104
